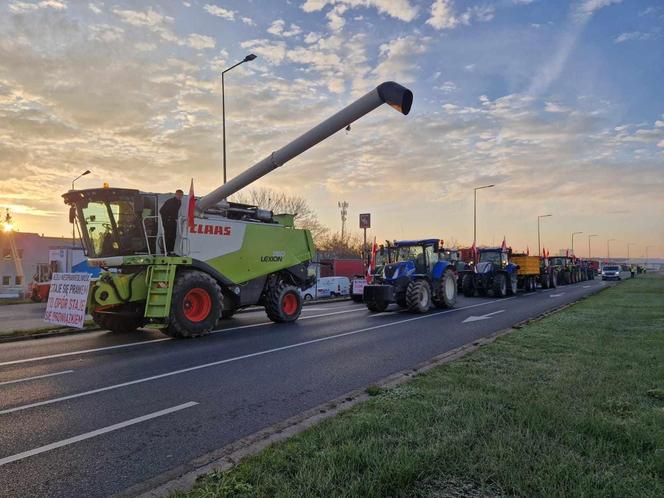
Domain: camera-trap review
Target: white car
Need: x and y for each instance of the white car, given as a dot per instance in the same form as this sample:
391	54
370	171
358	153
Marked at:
611	272
327	287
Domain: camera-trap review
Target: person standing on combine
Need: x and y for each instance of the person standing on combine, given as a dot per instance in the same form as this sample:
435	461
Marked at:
169	218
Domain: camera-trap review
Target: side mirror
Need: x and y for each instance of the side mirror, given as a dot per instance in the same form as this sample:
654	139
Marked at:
72	214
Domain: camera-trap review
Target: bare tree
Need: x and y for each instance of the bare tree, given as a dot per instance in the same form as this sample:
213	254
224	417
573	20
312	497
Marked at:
350	246
279	202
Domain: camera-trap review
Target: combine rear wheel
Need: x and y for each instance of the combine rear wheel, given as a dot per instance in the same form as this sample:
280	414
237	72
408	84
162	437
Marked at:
283	303
195	306
447	291
418	296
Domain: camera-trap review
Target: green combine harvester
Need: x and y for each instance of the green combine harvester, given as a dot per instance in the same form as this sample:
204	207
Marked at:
232	255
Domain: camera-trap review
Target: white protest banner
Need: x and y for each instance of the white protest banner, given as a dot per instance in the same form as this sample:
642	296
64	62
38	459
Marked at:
67	299
358	285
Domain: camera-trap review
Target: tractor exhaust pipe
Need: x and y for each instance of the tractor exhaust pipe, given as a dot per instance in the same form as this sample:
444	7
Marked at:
390	93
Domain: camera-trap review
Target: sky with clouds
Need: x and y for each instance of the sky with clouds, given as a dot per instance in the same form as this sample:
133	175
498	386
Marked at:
557	103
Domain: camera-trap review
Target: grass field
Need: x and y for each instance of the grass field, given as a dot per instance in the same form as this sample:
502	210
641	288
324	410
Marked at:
572	405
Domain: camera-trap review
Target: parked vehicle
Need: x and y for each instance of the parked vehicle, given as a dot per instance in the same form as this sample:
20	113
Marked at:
493	272
567	270
611	272
418	277
528	271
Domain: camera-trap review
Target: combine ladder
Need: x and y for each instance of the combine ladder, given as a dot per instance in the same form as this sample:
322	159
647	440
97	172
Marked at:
160	290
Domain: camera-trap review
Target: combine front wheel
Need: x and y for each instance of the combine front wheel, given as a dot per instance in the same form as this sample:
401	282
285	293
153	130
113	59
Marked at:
283	303
196	305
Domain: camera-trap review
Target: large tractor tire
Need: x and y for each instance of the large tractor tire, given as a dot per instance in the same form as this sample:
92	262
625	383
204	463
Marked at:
447	291
283	303
545	280
553	280
196	305
418	296
468	285
500	285
527	284
512	284
118	324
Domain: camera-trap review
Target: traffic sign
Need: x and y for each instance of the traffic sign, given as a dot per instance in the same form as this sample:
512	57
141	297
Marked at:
365	220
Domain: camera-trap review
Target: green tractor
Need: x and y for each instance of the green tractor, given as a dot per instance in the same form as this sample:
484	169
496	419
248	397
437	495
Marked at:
224	255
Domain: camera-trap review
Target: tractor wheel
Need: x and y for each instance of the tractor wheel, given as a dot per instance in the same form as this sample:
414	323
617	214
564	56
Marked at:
527	284
401	300
553	281
418	296
283	303
512	284
357	298
500	285
544	280
195	306
377	306
468	285
447	291
118	324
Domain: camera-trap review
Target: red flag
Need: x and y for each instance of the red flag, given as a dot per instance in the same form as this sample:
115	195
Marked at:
547	254
543	252
191	207
527	251
473	251
567	253
372	261
503	246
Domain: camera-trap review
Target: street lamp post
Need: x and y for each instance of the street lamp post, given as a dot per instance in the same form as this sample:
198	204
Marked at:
589	237
608	252
539	248
573	234
73	226
475	212
648	257
248	58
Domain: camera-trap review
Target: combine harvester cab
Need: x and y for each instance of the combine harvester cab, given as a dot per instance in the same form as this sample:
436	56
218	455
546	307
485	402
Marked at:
418	277
493	272
226	255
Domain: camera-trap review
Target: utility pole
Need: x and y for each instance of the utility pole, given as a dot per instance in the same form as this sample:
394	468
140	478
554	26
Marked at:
573	234
343	205
539	246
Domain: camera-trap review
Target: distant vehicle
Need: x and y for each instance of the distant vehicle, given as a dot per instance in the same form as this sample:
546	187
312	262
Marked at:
327	287
611	272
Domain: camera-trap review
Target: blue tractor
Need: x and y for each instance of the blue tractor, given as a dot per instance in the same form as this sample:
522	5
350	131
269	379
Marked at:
417	276
493	272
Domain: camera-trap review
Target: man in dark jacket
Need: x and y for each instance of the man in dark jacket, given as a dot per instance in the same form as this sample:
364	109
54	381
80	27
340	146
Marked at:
169	218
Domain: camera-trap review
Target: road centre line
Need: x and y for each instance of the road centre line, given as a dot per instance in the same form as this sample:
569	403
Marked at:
7	382
243	357
131	344
98	432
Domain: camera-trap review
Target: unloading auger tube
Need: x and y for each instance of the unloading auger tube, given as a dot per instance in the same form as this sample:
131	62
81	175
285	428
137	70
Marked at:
386	93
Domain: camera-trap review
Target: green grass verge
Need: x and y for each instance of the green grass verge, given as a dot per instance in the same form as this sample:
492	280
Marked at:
572	405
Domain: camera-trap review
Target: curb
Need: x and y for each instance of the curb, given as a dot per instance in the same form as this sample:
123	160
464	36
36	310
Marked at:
183	477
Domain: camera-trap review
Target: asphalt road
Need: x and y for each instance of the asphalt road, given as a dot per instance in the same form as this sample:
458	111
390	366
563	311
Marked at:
94	414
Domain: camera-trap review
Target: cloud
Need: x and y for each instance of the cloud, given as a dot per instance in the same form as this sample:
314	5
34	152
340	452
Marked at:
273	51
23	7
443	16
200	41
636	35
580	14
277	28
398	9
248	21
397	59
215	10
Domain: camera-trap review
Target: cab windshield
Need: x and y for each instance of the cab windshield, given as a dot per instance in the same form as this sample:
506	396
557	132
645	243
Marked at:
491	257
110	226
409	253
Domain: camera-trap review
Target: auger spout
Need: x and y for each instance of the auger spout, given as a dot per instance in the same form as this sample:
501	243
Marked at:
390	93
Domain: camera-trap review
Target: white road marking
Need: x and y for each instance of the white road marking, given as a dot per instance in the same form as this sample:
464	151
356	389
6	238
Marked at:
98	432
586	286
35	377
557	295
131	344
481	317
392	313
243	357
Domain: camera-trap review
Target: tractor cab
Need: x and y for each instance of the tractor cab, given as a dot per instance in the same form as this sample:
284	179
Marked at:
411	257
490	258
115	222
